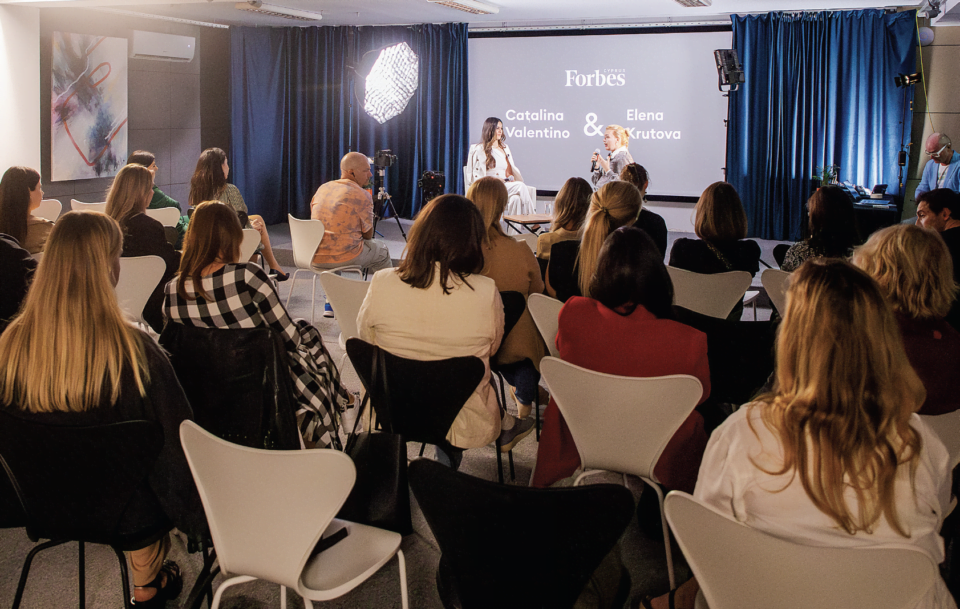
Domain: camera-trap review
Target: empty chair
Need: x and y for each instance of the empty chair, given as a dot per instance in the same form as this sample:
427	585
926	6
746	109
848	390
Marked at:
710	294
81	206
139	276
257	537
562	545
76	483
345	296
740	567
248	247
168	216
546	314
305	238
775	282
528	238
622	424
49	209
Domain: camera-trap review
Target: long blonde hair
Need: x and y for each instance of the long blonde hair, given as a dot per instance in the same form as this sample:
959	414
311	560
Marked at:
913	268
130	193
616	204
70	345
843	396
490	196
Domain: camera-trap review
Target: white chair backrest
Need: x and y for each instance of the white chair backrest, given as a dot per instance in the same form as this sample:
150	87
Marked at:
241	487
248	247
709	294
81	206
620	423
739	567
305	238
168	216
466	176
546	312
776	282
49	210
345	296
139	276
528	238
947	428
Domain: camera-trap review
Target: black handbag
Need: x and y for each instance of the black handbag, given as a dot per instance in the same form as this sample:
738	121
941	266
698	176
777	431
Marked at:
381	495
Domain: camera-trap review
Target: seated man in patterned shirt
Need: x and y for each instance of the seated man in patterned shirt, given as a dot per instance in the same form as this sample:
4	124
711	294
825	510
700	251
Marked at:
346	210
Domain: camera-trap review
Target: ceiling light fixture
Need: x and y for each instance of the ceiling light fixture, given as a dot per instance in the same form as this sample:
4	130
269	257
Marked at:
474	7
694	3
273	10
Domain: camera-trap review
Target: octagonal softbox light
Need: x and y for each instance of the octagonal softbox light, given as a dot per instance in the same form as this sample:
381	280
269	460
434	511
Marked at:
391	81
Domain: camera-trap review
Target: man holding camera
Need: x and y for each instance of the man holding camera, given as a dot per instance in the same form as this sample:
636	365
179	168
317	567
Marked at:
346	210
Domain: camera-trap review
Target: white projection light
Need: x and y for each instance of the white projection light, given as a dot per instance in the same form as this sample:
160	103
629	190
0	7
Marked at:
391	82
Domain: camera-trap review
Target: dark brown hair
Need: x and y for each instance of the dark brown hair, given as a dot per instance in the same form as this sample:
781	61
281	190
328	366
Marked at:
832	228
208	180
449	230
940	198
719	215
15	187
570	206
214	233
486	138
636	175
141	157
630	272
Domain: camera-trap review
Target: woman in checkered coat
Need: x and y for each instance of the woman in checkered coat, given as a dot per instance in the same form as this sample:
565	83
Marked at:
213	290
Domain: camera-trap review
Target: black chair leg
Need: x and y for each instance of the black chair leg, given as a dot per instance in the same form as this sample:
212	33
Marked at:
513	474
124	578
25	571
499	461
203	588
423	445
82	587
536	410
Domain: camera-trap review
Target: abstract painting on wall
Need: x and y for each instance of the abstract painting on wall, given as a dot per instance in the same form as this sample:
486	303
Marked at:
89	110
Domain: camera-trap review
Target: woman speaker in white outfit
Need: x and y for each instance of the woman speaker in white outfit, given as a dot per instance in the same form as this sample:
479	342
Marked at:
492	157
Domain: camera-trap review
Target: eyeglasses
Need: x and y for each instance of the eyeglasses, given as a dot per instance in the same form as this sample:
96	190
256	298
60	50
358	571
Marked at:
938	151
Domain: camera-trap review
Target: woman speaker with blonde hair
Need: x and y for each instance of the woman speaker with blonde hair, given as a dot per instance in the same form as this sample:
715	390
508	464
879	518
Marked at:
572	263
615	141
834	456
914	270
70	358
127	201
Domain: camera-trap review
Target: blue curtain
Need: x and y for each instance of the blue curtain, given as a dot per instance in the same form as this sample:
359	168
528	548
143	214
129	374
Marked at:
819	90
292	104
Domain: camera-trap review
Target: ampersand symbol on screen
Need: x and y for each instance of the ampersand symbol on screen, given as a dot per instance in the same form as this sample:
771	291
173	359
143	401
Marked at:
592	128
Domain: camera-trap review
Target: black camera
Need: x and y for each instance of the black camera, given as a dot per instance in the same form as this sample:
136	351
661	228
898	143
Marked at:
384	158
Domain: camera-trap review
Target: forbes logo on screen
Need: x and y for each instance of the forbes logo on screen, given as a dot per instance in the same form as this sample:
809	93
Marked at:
607	78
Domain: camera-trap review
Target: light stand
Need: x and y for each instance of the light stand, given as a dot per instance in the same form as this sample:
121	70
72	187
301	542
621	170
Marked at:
904	81
383	200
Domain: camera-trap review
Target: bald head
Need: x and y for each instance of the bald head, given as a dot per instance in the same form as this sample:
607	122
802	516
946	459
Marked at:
355	166
939	148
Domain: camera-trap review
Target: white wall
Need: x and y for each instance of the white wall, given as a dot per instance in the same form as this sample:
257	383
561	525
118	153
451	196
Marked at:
19	86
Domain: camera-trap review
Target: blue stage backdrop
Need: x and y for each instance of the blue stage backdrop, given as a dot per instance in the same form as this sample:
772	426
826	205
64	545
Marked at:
291	102
819	90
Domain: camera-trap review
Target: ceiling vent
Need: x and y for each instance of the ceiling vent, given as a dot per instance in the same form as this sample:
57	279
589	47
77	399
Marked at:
474	7
694	3
262	8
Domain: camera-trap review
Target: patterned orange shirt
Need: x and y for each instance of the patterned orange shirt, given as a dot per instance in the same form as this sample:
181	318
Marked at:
346	211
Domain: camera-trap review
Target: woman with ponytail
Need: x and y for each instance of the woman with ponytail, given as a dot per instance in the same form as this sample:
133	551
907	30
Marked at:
572	263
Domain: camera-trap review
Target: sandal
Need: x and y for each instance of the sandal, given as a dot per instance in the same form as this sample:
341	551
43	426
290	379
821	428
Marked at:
166	592
646	601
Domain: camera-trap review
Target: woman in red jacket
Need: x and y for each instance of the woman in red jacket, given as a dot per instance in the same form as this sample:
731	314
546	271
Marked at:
625	329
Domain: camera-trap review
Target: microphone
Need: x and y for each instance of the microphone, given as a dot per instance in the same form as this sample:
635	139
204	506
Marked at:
593	163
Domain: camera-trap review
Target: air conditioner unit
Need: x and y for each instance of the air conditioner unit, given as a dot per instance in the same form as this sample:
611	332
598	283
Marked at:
162	47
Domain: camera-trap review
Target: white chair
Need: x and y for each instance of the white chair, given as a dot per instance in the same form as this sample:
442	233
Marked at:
168	216
546	312
346	296
248	247
305	237
709	294
247	494
621	424
530	239
81	206
750	298
740	567
947	428
776	282
139	276
49	210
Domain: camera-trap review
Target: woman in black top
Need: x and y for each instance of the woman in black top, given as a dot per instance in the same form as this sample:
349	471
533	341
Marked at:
651	223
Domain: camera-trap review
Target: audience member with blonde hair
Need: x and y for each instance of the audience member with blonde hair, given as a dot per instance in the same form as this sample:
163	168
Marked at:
651	223
569	212
159	200
512	265
721	224
20	194
72	359
209	183
573	263
127	201
615	141
835	455
216	290
914	270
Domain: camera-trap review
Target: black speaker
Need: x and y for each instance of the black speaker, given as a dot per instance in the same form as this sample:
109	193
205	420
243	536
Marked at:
431	183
